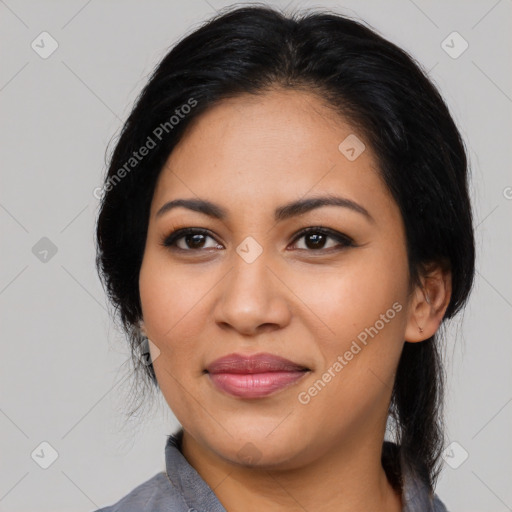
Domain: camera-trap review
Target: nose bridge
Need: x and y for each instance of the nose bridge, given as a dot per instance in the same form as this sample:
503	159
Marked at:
250	269
251	294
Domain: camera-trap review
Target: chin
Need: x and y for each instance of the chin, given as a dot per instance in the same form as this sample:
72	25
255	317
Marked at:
256	448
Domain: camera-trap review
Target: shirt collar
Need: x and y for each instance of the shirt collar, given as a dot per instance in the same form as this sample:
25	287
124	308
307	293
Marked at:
195	491
198	496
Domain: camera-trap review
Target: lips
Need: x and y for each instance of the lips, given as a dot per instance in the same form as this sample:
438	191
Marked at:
254	376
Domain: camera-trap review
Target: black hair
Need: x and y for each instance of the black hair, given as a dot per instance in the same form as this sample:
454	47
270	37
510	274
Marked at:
375	86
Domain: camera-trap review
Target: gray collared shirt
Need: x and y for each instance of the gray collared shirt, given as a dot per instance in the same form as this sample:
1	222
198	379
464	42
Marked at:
181	489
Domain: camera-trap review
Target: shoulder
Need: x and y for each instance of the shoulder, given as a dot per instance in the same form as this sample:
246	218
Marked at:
154	495
438	505
416	494
418	498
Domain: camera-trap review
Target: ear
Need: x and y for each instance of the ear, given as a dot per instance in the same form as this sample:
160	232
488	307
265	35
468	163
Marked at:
428	303
142	328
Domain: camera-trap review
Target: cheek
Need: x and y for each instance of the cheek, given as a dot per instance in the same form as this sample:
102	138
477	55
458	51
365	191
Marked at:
171	298
173	316
355	295
365	310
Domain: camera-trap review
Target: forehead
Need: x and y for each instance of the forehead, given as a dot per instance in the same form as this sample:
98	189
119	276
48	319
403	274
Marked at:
254	152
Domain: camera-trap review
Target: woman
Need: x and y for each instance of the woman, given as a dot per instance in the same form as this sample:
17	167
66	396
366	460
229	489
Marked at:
285	225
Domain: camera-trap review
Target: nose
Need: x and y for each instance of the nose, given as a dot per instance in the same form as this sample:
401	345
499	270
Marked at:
252	299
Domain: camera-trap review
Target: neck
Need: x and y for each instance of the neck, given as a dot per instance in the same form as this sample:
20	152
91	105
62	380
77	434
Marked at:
346	479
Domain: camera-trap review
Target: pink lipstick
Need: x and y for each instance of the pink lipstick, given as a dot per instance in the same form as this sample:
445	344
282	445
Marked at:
254	376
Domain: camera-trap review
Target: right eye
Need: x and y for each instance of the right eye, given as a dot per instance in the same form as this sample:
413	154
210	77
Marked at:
191	239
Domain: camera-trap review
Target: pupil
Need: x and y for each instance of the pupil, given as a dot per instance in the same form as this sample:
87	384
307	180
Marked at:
196	242
319	239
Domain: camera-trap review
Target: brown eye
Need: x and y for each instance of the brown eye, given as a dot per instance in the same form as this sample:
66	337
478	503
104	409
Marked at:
189	240
315	239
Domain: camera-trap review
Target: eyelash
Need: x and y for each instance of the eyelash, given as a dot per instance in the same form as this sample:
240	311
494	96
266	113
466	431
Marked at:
169	241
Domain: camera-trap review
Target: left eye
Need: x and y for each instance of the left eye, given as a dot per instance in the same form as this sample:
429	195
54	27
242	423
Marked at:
315	239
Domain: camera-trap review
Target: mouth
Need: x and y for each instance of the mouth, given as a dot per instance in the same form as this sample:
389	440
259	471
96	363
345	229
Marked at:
254	376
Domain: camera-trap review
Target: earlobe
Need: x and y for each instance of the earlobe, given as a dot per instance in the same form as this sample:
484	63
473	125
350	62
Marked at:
142	328
428	305
427	300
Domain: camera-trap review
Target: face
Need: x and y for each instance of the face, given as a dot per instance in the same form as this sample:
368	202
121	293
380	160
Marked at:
332	301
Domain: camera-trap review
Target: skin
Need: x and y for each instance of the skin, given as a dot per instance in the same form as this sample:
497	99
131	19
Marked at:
250	155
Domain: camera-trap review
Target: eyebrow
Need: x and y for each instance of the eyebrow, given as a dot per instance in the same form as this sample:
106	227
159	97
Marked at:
281	213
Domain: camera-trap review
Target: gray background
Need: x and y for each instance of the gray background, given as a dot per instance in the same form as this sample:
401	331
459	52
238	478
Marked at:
63	372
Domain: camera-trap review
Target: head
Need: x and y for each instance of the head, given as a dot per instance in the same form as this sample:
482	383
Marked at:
248	114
